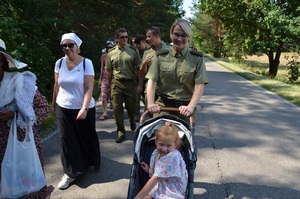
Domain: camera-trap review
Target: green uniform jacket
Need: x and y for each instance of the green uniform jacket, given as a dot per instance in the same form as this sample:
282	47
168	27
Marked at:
163	47
123	62
176	75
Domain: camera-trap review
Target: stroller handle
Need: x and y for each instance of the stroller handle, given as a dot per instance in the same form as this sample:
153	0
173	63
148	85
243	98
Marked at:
147	112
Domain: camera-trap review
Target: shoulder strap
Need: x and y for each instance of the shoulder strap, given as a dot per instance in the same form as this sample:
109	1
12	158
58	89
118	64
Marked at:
62	60
60	63
130	46
166	51
83	64
194	52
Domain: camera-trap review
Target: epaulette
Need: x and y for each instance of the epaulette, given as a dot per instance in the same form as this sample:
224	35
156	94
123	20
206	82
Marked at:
147	48
130	46
162	52
112	48
194	52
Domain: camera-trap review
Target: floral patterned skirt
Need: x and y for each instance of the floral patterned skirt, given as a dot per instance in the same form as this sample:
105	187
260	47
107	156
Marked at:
104	95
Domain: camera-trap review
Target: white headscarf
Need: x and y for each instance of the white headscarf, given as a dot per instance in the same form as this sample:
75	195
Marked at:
72	36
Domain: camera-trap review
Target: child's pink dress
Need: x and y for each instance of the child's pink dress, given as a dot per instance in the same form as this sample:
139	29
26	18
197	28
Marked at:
172	169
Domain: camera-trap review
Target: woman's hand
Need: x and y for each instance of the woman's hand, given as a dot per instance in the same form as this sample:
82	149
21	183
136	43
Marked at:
5	116
82	114
186	110
154	108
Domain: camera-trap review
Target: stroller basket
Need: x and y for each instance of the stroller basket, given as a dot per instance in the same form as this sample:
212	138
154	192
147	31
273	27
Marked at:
144	145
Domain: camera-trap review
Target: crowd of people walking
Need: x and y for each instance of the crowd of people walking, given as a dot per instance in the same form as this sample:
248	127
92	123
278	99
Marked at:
149	70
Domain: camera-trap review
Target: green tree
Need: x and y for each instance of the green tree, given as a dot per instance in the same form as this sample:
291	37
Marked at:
207	34
264	26
26	27
32	29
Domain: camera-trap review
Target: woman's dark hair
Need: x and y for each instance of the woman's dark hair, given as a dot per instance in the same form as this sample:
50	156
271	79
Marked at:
4	66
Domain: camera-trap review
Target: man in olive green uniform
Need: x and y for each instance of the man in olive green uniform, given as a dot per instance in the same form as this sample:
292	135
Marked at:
122	62
141	46
153	38
179	73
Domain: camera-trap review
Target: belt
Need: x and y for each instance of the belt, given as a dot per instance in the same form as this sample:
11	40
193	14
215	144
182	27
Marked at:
124	80
174	103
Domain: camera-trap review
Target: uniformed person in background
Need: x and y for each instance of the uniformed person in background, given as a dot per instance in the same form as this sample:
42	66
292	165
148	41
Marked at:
179	73
122	62
153	38
142	46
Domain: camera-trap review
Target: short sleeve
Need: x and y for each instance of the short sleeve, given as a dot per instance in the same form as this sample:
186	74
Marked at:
57	63
169	165
89	68
153	72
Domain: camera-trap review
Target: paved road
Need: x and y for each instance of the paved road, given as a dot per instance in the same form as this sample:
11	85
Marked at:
248	147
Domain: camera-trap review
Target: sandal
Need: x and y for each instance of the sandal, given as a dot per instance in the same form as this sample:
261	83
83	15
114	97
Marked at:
103	117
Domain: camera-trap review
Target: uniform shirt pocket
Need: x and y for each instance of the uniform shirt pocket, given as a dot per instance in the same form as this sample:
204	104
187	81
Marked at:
187	73
167	72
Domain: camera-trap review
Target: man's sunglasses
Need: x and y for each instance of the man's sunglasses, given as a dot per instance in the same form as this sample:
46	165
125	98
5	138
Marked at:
71	45
123	37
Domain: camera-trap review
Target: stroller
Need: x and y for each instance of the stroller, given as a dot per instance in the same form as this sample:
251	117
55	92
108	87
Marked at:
144	145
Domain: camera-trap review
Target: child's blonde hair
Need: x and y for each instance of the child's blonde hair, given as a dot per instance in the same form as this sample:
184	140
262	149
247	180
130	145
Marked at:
169	129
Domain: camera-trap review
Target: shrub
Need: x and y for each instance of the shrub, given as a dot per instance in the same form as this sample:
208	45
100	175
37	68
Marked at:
293	68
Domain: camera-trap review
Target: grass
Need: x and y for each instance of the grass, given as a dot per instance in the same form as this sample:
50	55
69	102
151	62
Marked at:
48	125
255	69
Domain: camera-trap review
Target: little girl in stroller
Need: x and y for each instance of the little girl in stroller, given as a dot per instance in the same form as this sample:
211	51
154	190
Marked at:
150	143
167	170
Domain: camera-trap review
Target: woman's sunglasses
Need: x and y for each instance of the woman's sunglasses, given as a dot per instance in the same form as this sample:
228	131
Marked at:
71	45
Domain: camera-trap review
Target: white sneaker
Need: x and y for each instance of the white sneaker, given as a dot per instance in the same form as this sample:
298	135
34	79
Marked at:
65	181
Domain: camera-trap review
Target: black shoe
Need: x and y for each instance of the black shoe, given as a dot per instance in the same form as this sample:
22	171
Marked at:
132	126
120	139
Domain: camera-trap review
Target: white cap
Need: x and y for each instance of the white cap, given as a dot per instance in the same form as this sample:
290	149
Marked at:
72	36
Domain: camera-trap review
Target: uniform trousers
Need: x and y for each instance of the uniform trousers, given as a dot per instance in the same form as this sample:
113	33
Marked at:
124	91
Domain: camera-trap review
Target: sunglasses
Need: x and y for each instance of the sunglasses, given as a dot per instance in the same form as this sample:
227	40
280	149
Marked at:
183	37
123	37
71	45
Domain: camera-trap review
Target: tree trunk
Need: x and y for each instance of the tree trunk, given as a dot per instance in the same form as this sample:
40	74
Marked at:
219	37
274	62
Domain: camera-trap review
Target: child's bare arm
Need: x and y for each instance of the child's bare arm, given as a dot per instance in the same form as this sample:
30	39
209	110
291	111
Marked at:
148	187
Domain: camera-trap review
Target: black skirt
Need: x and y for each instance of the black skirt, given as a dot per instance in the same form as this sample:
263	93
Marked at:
79	143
